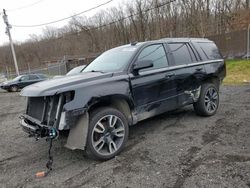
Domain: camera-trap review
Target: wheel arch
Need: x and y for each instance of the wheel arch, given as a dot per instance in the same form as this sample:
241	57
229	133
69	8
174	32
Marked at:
213	79
119	102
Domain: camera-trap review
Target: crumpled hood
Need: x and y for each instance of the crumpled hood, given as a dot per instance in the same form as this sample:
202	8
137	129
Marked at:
65	83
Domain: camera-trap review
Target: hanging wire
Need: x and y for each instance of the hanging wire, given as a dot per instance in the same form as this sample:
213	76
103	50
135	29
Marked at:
23	7
62	19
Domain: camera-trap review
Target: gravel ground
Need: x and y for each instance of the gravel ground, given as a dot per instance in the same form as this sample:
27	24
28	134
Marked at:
177	149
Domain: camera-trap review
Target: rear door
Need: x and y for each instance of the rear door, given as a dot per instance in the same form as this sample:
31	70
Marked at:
189	71
154	89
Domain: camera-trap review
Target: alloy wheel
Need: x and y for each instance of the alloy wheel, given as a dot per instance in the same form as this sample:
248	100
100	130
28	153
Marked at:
108	135
14	88
211	100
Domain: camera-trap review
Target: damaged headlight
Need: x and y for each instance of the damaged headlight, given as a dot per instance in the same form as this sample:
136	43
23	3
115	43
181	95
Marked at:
69	96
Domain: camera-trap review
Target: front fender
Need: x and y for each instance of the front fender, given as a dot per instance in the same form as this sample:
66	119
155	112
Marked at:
84	96
83	99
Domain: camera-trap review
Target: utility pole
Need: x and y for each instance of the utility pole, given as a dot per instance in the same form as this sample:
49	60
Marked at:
8	27
248	38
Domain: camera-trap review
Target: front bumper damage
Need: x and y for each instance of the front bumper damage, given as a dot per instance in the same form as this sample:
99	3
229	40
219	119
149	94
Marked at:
45	117
35	129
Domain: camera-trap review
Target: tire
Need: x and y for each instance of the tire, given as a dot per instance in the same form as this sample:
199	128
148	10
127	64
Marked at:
107	134
208	101
14	88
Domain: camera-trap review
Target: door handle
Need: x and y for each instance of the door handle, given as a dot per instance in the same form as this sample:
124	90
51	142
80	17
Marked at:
170	75
199	69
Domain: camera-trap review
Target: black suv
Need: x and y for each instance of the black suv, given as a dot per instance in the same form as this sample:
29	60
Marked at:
22	81
121	87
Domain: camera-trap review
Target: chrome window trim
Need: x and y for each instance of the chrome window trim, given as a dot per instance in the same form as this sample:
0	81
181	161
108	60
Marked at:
179	67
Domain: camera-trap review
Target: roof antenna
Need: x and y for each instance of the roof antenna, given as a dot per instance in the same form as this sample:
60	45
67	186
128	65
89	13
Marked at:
134	43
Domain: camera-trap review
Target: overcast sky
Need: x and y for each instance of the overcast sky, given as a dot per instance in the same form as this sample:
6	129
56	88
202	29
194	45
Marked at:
30	12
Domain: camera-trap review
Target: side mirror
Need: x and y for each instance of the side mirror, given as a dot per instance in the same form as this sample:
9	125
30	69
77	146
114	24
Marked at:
143	64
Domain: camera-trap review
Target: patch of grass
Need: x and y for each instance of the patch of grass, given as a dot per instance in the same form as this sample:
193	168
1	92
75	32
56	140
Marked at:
238	72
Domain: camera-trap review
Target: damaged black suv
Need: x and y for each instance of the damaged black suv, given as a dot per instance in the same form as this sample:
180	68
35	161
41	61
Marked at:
121	87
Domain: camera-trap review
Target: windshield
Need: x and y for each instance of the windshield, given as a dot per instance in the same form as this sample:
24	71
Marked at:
17	78
113	60
76	70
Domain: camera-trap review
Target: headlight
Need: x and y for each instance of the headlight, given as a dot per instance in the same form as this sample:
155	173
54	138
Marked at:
69	96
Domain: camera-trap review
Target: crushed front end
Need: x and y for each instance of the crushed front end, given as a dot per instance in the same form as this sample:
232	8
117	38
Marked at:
45	115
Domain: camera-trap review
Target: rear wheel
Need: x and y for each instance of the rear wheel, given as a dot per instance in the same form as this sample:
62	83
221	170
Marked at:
208	102
14	88
107	134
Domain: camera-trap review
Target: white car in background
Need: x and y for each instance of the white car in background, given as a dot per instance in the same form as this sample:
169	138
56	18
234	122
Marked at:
73	71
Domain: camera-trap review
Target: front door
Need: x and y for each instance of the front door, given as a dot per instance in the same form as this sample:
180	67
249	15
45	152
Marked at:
24	81
154	89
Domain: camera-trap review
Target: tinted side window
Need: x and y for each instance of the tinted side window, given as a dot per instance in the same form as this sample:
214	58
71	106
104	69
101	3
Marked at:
210	50
33	77
24	78
42	76
180	53
193	57
156	54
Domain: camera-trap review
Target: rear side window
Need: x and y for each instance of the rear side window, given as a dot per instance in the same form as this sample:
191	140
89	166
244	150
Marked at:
210	50
42	76
156	54
181	53
33	77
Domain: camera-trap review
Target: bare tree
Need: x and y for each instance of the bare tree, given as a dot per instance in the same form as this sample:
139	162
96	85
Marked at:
135	20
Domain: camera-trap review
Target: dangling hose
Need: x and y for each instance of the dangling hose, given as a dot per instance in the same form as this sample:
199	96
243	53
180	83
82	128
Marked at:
50	161
52	135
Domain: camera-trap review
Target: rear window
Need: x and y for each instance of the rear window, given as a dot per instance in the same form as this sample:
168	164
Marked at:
210	50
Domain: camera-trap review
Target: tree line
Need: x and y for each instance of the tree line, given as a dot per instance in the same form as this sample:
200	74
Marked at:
138	20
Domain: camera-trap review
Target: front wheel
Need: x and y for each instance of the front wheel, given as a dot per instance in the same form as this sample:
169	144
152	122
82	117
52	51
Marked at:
107	134
14	88
208	101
